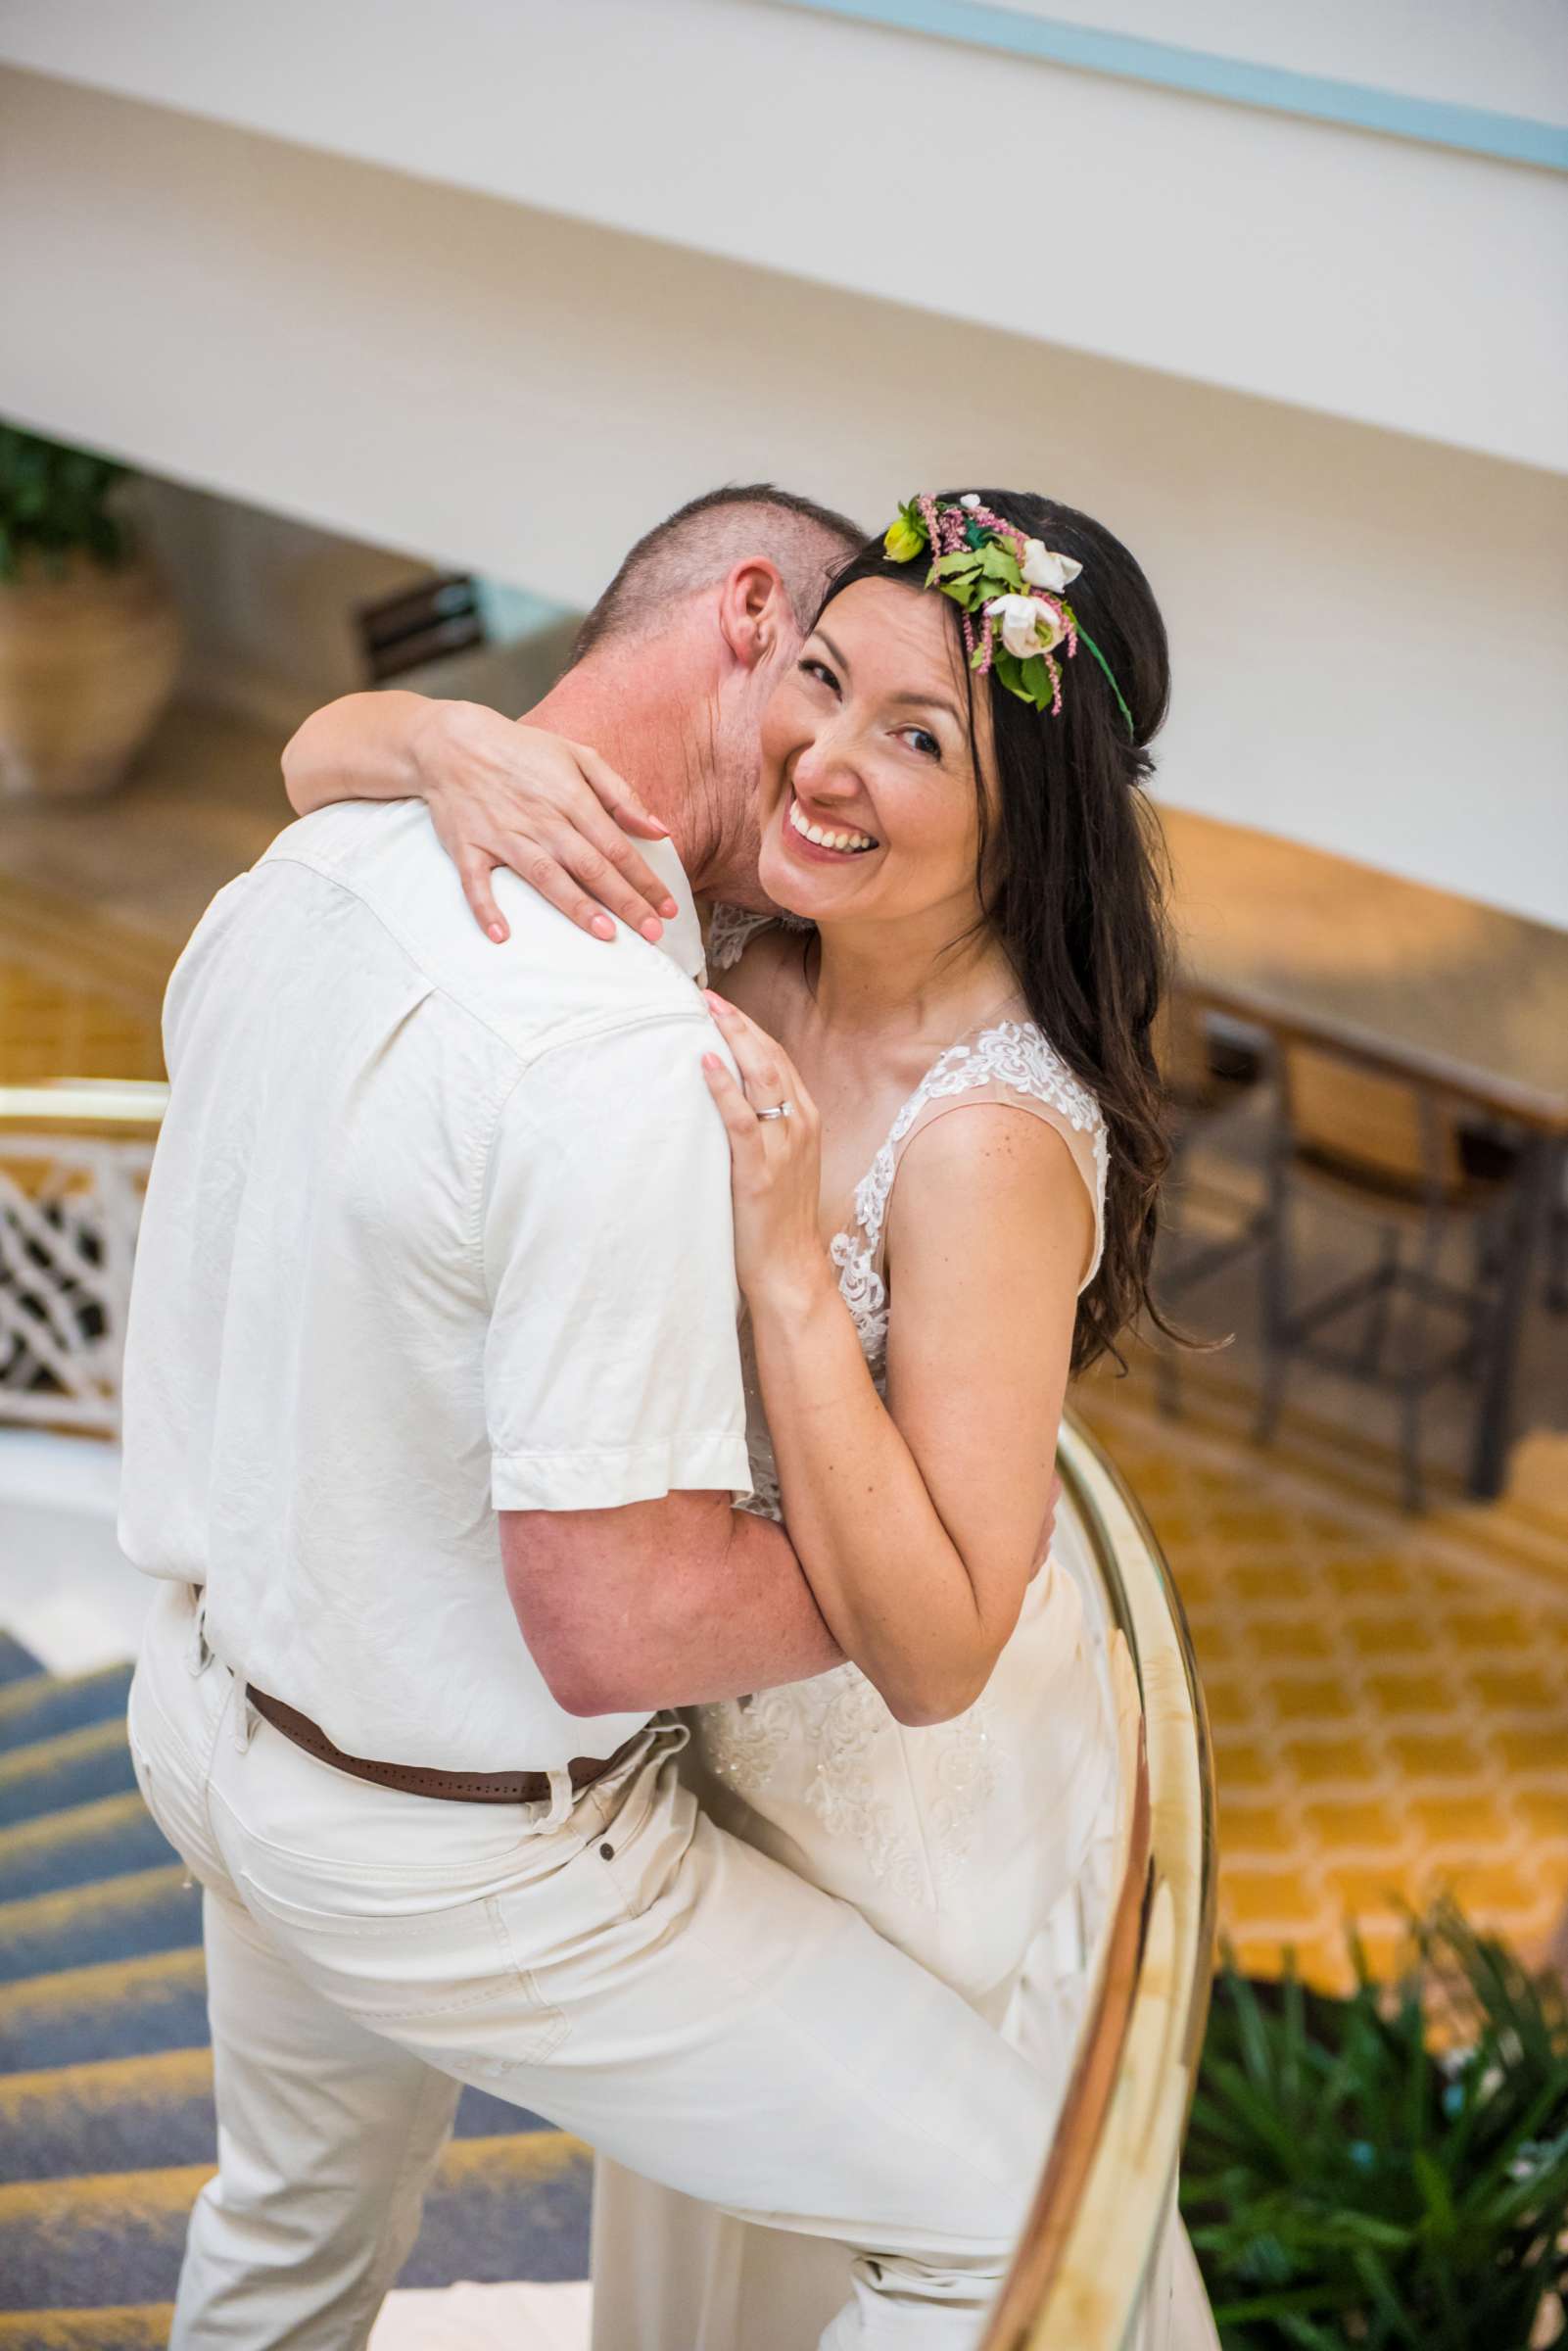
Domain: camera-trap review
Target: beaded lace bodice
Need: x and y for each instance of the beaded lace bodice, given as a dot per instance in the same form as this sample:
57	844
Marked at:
835	1730
1009	1061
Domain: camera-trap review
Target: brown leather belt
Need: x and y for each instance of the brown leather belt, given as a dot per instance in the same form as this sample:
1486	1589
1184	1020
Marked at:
413	1779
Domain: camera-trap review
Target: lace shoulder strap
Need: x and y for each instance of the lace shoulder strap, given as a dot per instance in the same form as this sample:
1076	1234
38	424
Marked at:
732	931
1010	1062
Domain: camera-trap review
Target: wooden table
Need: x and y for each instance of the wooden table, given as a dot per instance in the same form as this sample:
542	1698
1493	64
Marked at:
1316	947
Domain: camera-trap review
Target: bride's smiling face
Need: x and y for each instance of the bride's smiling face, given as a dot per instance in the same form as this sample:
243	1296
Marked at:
868	800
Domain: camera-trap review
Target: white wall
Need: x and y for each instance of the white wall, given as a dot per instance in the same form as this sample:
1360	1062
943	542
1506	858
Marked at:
1365	276
1367	629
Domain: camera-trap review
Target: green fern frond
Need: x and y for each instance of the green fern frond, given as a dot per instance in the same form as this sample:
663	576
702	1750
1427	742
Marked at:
1349	2182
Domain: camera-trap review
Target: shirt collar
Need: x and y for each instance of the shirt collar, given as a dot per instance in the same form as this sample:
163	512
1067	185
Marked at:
683	930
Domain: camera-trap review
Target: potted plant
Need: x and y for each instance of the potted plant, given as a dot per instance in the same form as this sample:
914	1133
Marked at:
1391	2170
89	643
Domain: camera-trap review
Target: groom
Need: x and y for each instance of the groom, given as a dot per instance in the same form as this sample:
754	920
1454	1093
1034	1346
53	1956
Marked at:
433	1427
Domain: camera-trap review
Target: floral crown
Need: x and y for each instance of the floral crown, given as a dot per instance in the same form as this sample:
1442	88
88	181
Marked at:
1013	585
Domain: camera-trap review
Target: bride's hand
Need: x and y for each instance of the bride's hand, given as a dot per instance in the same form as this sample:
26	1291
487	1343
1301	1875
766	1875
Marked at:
553	811
775	1164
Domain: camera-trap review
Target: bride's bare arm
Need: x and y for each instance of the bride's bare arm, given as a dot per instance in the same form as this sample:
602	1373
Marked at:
501	793
917	1523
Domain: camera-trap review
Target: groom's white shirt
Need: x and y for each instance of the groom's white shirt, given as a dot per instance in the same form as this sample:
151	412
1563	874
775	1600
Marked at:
435	1229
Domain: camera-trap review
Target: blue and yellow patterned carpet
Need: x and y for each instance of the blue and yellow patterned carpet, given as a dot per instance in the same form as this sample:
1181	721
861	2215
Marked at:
106	2079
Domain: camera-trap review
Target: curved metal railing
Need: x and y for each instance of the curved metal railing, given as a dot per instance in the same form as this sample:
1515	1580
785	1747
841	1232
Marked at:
1082	2271
70	1107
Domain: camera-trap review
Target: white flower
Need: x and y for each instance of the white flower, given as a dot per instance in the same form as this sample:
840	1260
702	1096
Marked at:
969	498
1029	627
1042	570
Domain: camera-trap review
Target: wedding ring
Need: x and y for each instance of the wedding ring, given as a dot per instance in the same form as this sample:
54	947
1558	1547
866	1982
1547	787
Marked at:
783	1110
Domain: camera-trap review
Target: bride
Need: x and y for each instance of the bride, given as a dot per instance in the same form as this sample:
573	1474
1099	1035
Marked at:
968	922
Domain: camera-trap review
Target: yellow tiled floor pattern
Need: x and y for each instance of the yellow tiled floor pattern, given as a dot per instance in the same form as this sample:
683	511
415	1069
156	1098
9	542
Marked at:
1388	1695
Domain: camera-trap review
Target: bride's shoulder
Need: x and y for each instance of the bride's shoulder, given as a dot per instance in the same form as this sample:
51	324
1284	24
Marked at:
994	1165
1013	1185
1009	1060
1018	1056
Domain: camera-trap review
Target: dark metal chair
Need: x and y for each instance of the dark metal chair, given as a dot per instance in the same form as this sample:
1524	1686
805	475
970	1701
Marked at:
1210	1074
1557	1257
1392	1151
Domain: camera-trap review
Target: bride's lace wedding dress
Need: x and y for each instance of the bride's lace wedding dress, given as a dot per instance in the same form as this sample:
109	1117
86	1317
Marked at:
980	1845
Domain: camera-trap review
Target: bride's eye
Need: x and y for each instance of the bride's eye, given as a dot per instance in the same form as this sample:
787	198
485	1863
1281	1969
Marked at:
810	668
921	740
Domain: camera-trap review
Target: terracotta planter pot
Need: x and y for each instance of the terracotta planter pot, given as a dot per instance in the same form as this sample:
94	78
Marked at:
87	661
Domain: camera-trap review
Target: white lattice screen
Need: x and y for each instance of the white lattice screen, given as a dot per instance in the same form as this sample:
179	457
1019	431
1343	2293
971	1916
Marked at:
69	1212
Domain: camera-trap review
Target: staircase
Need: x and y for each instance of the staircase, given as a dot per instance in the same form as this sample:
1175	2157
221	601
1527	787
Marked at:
106	2073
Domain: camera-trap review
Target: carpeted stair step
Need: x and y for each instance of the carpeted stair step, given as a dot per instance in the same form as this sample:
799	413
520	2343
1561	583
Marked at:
106	2116
498	2208
44	1705
144	2328
135	2113
112	1918
100	1839
16	1665
73	1768
119	2008
117	2114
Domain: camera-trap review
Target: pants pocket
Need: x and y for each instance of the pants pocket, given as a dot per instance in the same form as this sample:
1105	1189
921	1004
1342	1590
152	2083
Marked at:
417	1973
171	1785
646	1830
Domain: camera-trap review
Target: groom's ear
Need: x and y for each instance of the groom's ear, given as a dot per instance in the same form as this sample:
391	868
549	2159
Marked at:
754	611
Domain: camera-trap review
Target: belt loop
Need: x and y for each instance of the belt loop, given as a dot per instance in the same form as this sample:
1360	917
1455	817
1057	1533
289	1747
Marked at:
245	1716
562	1797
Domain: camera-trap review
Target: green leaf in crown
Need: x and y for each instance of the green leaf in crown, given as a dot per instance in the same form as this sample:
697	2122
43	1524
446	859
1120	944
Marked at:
1009	588
1001	564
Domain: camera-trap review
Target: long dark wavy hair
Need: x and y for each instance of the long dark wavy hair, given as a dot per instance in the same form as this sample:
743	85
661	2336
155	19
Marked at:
1072	873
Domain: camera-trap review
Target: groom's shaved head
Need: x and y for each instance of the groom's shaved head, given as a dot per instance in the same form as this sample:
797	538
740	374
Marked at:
704	539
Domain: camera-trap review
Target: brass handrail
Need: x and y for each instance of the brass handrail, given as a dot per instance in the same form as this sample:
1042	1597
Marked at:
131	1106
1105	2194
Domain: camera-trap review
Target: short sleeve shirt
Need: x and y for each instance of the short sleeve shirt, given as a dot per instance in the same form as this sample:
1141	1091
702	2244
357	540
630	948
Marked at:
435	1228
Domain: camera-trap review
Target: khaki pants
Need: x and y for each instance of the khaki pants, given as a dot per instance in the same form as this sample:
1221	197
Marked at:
618	1965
